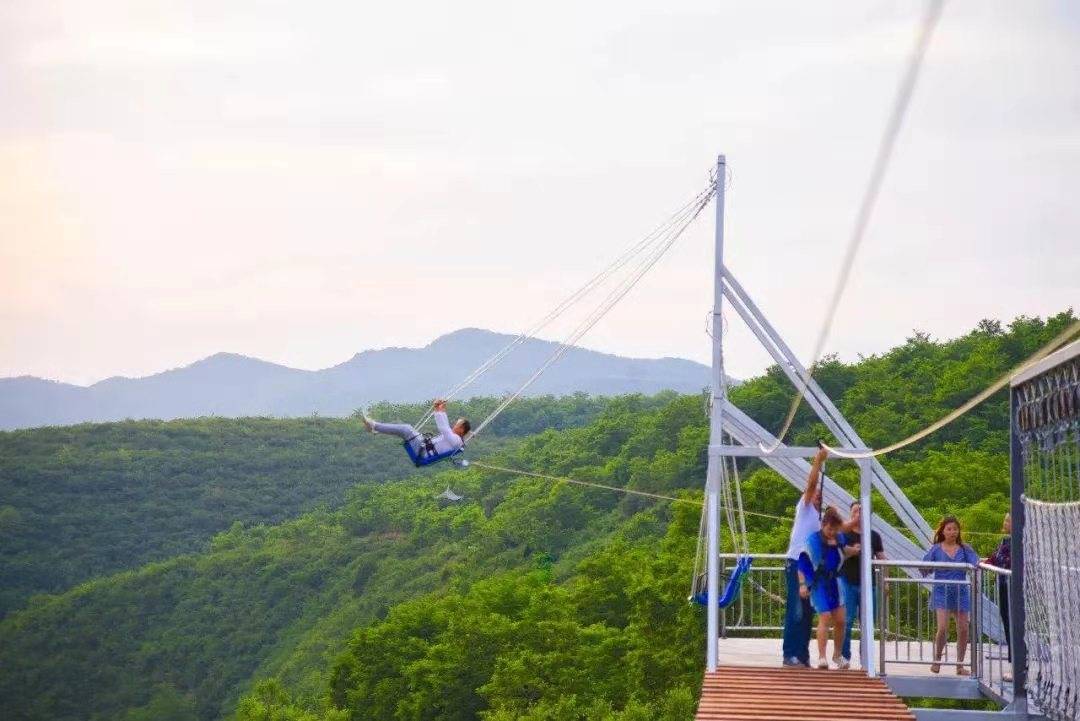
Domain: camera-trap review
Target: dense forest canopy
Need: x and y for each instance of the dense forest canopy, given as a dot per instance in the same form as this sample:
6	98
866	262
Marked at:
79	502
528	600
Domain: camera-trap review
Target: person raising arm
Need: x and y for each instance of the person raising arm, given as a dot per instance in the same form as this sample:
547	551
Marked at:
797	617
450	438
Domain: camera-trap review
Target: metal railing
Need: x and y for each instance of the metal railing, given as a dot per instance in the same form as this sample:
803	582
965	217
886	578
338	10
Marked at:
759	607
907	627
909	631
992	640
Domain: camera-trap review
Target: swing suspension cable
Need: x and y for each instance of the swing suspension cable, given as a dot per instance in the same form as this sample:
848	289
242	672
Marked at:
589	484
727	502
624	258
730	483
663	244
737	512
739	506
869	200
699	553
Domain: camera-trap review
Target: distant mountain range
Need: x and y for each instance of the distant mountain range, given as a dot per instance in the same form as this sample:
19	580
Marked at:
227	384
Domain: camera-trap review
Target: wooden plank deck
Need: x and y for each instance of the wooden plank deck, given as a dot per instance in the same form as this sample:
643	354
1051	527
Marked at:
755	693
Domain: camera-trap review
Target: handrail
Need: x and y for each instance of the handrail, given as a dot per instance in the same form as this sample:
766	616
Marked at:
905	628
896	563
996	569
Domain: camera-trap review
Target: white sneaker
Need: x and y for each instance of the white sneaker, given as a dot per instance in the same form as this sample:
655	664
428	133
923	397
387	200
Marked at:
841	663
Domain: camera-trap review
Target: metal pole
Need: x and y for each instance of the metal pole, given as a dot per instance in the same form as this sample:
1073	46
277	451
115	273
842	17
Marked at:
866	572
723	614
1017	615
883	615
975	622
715	428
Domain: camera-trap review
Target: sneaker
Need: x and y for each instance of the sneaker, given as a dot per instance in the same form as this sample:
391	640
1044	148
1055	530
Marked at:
841	663
792	661
368	423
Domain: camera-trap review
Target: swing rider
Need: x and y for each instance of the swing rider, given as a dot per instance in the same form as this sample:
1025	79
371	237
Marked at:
424	448
798	616
819	573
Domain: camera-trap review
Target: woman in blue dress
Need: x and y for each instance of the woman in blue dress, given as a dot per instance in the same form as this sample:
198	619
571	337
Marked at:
818	580
950	599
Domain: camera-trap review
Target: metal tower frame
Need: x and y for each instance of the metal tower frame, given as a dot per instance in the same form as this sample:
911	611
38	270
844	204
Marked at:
788	461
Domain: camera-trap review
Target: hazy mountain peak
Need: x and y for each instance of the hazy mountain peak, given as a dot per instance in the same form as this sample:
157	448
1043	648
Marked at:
232	384
465	335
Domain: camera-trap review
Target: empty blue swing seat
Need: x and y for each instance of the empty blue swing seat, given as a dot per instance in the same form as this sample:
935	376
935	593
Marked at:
731	590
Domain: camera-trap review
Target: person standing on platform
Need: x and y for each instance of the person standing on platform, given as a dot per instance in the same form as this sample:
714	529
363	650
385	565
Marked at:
951	595
1002	558
850	576
819	576
798	616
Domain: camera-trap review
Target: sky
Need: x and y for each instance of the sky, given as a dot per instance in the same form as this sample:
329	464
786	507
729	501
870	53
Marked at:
302	181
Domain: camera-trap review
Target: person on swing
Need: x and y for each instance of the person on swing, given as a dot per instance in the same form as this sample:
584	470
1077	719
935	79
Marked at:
450	438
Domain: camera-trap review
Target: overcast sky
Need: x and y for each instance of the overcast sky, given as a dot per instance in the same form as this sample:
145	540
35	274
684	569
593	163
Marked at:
300	181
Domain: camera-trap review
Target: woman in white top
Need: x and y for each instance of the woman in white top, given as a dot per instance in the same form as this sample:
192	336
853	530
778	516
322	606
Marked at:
450	438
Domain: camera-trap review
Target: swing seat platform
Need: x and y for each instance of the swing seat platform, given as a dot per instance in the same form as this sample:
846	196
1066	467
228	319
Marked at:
422	459
731	590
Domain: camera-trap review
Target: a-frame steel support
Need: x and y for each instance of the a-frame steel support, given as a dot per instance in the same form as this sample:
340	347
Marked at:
726	418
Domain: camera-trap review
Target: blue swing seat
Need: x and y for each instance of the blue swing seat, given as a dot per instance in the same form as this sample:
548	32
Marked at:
731	590
422	459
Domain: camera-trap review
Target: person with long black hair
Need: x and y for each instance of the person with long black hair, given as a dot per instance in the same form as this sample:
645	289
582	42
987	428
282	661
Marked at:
951	598
1002	558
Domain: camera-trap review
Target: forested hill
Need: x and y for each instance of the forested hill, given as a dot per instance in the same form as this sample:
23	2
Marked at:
231	385
528	600
84	501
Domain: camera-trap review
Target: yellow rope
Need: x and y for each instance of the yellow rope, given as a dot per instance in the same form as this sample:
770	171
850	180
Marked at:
1058	341
646	494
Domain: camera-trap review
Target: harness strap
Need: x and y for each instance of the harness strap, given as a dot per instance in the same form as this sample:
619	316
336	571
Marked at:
426	447
823	574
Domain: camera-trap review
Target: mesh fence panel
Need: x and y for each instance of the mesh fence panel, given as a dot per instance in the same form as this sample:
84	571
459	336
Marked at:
1048	426
1052	599
1048	429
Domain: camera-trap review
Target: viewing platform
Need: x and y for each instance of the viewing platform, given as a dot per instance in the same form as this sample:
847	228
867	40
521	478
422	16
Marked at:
750	683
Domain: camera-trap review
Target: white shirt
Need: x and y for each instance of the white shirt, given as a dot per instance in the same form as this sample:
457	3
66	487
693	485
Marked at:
806	522
447	440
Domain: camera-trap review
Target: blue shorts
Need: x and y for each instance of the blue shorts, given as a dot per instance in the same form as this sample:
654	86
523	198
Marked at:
825	596
951	597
